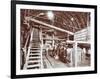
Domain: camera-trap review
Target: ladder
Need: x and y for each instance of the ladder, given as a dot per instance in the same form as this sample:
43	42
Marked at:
34	58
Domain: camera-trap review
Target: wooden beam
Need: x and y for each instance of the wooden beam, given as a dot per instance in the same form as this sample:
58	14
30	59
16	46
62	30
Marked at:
53	39
82	42
51	26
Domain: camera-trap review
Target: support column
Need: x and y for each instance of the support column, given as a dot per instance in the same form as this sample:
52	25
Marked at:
41	48
71	57
74	55
53	40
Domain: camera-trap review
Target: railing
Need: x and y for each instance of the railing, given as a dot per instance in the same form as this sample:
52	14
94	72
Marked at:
25	48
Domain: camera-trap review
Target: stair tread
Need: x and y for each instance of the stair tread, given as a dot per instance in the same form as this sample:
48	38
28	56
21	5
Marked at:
34	50
37	67
31	61
34	57
34	53
33	65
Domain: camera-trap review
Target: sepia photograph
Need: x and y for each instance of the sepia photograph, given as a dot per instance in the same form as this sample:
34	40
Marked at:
54	39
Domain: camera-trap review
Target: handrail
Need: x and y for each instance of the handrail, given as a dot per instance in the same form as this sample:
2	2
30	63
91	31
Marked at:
25	46
27	56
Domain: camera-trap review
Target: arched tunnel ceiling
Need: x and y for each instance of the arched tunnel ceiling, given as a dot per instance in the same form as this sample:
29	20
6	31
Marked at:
68	20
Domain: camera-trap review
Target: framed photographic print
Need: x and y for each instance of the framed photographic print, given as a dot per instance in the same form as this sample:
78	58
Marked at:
52	39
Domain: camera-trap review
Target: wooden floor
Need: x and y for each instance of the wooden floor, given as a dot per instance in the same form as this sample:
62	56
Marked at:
50	62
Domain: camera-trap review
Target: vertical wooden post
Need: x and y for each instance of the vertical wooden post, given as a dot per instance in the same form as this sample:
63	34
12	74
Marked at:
41	50
53	40
71	57
75	54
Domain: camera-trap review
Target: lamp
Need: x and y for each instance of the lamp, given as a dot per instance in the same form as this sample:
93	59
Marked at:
50	15
72	19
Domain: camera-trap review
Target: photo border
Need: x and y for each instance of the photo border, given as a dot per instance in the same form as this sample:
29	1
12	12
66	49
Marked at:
13	38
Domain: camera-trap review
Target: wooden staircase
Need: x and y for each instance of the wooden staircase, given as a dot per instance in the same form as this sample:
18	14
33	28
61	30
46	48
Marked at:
34	58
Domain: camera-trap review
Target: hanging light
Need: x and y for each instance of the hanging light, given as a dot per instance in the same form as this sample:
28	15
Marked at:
72	19
50	15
